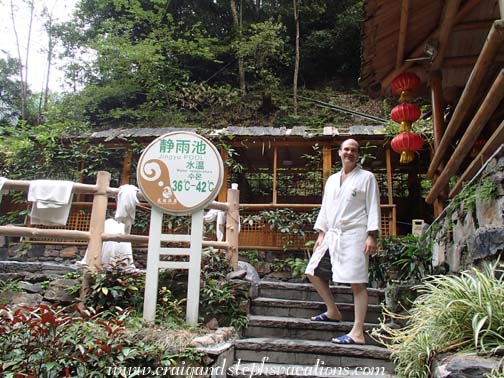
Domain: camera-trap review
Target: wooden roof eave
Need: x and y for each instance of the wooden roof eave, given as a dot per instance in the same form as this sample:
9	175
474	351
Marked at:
489	51
418	51
488	107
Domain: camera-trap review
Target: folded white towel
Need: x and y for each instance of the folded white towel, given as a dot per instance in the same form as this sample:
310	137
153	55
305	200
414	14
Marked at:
114	254
126	205
52	200
219	217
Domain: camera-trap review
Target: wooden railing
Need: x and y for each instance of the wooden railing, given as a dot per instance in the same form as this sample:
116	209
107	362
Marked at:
88	227
259	235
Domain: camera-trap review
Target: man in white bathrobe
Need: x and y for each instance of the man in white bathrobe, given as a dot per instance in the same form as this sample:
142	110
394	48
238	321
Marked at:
348	225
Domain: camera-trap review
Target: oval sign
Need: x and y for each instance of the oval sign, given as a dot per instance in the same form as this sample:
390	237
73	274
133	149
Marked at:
180	172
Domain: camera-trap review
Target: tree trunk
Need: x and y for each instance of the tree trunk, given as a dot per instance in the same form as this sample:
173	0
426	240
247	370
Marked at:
295	4
50	48
21	74
241	67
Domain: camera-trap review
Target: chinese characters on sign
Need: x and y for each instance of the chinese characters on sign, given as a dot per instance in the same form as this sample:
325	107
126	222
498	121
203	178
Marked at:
180	172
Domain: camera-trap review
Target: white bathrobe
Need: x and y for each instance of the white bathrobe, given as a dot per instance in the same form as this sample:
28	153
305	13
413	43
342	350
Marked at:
348	212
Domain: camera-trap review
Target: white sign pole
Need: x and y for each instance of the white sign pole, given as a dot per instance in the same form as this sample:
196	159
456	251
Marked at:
193	282
151	277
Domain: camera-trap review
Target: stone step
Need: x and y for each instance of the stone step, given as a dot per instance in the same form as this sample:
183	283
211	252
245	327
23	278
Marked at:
306	309
265	370
306	292
311	352
300	328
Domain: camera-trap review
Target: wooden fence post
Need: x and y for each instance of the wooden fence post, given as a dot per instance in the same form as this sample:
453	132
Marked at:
232	225
96	228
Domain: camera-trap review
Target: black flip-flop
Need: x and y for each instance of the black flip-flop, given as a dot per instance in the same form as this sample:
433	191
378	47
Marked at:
323	318
345	340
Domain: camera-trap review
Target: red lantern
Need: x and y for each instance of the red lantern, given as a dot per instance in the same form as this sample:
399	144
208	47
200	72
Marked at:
407	144
404	84
405	114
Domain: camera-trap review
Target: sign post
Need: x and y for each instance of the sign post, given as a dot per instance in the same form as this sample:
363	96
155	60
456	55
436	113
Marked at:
179	173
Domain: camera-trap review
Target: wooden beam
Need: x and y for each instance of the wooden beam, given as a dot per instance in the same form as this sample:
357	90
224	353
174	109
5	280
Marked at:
223	190
275	172
390	189
474	25
490	48
464	61
487	108
97	222
446	25
437	106
43	233
403	31
326	162
419	50
233	227
23	185
126	168
488	149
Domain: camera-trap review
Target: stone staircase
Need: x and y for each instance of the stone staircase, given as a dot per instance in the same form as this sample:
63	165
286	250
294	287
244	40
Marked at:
282	341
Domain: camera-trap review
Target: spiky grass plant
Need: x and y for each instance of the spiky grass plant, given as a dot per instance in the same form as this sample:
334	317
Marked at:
452	313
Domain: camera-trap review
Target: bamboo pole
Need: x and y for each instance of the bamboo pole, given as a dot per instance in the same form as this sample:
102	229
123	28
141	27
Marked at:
479	121
490	48
232	226
390	191
439	127
437	106
488	149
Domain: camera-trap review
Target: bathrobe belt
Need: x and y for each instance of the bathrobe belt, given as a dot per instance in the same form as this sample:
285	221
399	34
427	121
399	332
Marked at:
332	241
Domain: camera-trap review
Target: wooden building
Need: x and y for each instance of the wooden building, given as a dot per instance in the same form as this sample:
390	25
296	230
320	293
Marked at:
456	47
284	170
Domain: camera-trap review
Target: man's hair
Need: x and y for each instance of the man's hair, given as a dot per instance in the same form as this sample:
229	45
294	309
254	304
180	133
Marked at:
353	140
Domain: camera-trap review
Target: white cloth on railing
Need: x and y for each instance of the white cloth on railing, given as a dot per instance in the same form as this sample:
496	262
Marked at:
219	217
2	191
114	254
126	206
52	200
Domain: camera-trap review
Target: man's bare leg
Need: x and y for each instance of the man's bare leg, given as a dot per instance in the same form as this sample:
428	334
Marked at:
360	308
322	287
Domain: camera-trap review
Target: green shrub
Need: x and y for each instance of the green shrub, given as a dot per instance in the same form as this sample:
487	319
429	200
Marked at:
452	313
117	287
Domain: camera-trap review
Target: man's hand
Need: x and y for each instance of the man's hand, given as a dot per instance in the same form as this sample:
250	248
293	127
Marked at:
319	240
371	245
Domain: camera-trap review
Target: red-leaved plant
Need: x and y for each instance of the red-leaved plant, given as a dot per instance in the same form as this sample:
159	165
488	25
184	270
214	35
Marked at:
49	341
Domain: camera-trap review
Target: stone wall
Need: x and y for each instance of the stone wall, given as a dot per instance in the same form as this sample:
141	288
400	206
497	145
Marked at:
58	254
471	229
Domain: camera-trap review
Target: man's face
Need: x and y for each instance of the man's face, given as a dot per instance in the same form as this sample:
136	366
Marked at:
349	152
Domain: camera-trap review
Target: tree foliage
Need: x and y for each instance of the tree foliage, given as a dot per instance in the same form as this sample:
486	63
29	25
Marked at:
153	63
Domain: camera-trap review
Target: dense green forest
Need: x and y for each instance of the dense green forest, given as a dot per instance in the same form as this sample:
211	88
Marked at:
183	63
